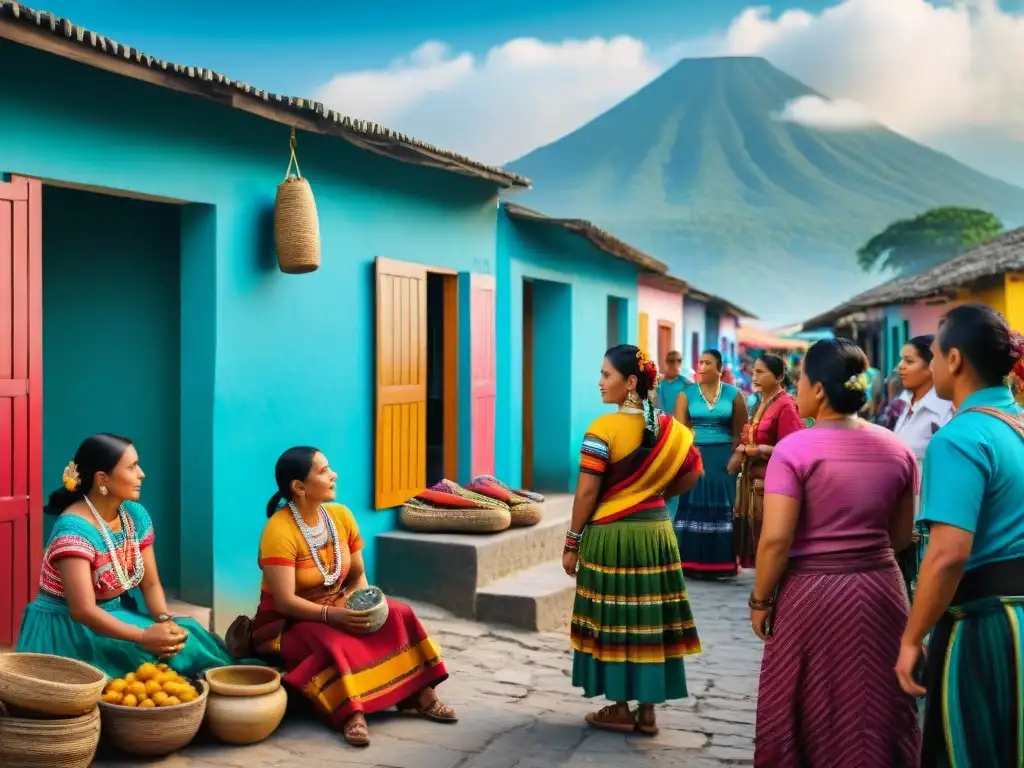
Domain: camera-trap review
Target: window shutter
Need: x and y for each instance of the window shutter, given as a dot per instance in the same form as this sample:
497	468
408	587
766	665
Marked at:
482	309
643	332
401	426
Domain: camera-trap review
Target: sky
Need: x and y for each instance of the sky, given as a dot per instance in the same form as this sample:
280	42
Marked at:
495	80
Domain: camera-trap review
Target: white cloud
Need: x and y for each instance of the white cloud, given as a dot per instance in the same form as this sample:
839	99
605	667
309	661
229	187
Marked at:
922	69
826	114
521	94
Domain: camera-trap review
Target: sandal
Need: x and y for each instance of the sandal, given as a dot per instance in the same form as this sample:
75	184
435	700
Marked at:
645	721
356	732
432	710
612	718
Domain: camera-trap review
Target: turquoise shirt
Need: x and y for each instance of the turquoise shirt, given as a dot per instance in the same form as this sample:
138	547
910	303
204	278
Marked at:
668	392
711	426
974	478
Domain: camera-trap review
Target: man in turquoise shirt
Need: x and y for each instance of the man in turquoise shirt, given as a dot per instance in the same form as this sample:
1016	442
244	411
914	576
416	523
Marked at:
971	584
672	384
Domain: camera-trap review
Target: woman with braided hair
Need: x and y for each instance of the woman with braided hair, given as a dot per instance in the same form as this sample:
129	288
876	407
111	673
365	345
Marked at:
631	623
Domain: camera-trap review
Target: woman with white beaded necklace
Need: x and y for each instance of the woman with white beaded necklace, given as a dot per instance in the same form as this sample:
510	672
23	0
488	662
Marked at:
717	413
311	556
99	569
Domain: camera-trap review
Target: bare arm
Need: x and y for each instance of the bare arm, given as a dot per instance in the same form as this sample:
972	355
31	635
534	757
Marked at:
281	581
682	413
152	589
683	483
739	418
901	524
781	514
948	551
588	490
356	578
76	578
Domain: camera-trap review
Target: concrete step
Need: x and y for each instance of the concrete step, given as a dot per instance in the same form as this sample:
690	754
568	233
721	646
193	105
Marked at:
539	599
447	569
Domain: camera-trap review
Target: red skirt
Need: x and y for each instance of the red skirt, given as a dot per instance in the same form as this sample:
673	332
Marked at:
343	674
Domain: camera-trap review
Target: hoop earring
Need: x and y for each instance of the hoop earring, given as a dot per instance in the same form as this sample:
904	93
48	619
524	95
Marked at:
103	490
632	400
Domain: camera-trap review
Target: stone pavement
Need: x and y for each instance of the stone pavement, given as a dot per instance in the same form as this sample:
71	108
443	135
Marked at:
518	709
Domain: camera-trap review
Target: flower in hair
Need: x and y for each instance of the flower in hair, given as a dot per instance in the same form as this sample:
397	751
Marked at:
859	382
1016	345
70	477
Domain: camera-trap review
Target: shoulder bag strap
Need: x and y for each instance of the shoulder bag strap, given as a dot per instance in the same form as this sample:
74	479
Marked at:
1016	424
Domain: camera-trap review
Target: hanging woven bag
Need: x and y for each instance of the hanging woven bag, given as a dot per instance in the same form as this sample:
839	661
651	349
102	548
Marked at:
296	224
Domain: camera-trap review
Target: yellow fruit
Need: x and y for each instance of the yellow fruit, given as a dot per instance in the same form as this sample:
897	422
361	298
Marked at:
166	677
117	685
130	677
129	700
147	671
146	704
162	667
159	698
172	701
137	689
152	686
112	697
188	695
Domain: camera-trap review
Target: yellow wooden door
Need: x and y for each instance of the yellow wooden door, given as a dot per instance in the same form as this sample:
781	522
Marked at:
643	332
401	445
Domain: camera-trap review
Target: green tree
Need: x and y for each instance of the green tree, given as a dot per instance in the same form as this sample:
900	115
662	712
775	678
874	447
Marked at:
910	245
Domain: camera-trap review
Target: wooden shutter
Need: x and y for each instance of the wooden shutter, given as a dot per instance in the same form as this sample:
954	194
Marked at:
642	344
482	311
21	390
401	452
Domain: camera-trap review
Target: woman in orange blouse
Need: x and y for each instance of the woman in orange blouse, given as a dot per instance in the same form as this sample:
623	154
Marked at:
311	556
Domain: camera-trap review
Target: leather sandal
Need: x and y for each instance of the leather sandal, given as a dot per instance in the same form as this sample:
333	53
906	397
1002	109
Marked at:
612	718
356	732
432	710
646	722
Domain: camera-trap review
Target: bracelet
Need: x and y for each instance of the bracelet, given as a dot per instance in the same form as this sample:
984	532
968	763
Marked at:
323	614
571	534
760	605
571	546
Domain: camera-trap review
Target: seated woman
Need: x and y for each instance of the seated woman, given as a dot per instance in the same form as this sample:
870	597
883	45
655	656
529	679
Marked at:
311	558
98	559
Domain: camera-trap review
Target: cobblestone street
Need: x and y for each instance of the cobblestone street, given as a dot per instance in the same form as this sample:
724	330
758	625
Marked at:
518	710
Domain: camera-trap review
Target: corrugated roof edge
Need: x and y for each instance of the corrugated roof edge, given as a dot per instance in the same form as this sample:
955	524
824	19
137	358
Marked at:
25	25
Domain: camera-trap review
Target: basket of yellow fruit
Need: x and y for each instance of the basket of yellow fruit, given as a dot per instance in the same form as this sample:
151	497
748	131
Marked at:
51	685
152	711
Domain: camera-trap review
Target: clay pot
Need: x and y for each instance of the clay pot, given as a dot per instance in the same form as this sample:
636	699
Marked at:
246	703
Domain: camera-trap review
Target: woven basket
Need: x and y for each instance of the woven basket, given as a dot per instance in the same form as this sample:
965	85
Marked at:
51	685
53	743
296	227
378	614
154	732
428	519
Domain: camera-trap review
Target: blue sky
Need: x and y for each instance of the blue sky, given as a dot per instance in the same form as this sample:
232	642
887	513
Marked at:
295	48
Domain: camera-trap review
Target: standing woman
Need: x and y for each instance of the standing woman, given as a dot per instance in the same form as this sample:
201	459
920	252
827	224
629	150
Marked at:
970	591
829	600
716	412
100	598
774	417
922	416
631	621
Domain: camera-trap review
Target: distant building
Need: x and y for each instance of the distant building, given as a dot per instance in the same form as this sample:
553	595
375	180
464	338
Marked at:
883	318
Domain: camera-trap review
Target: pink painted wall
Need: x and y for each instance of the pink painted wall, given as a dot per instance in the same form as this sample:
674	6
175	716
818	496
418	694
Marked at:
665	306
923	318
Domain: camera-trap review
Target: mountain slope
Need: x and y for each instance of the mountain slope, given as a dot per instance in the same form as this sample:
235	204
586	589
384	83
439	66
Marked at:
697	168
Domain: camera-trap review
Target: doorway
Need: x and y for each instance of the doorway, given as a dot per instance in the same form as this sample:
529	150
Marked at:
442	375
666	332
617	328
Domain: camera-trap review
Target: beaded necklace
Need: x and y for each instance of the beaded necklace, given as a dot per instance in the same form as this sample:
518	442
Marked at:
131	576
711	405
311	536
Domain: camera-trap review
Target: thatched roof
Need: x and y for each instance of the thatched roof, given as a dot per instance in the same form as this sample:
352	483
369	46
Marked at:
600	239
53	34
717	302
996	257
669	283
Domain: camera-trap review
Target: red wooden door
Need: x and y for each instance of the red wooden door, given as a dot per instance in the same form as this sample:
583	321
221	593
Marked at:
482	312
665	333
21	401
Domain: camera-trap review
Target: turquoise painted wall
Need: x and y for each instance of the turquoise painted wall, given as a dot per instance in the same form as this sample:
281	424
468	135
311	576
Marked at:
546	253
895	335
553	330
292	357
694	321
111	353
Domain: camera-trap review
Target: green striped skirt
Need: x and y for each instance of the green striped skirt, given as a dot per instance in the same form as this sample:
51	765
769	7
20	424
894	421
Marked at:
973	715
631	624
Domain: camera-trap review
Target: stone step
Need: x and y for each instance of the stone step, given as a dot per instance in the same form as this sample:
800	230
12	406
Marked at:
539	599
447	569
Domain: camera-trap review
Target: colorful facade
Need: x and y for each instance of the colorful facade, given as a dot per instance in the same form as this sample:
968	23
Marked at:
660	325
